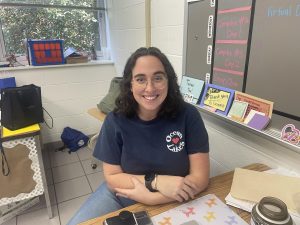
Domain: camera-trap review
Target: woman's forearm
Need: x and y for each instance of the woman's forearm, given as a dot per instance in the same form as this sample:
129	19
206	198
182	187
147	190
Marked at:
122	180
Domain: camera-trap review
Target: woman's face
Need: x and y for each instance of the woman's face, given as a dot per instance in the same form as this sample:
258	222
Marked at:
149	86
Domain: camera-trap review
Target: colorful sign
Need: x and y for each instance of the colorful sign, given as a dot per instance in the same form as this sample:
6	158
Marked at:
217	97
290	134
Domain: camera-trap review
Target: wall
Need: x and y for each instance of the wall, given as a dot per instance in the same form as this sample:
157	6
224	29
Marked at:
167	30
127	29
67	93
229	148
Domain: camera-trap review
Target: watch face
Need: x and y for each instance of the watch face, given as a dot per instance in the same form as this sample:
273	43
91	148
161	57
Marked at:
149	176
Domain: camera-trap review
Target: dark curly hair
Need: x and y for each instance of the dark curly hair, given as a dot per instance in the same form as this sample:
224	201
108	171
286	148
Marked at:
125	102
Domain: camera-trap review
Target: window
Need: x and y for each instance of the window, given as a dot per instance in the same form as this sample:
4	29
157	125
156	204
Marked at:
80	23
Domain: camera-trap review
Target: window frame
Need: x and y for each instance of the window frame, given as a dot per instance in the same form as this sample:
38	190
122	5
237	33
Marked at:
2	45
101	14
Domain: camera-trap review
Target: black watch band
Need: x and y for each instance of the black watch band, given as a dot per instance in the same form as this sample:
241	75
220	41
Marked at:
149	177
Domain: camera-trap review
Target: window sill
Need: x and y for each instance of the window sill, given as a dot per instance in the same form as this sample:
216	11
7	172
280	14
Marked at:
29	67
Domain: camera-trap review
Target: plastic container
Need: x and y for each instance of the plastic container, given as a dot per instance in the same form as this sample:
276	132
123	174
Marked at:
270	211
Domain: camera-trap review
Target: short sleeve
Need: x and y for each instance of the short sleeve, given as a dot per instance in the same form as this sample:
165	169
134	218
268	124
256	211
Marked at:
109	147
196	133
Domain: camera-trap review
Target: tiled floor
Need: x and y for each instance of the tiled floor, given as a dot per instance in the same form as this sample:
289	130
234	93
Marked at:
70	180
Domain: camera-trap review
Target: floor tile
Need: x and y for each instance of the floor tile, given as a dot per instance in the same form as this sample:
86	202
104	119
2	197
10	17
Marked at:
69	208
61	158
95	180
67	172
88	168
85	153
12	221
72	189
39	217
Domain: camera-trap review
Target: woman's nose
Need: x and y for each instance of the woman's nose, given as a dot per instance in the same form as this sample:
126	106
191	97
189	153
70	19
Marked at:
149	86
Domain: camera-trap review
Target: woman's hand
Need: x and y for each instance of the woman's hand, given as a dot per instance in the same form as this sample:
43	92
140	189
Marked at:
175	187
139	193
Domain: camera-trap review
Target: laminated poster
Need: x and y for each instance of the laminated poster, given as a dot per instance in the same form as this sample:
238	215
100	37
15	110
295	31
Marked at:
202	211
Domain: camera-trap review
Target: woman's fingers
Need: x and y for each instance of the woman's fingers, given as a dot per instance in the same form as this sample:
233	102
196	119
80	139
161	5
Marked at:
190	184
183	195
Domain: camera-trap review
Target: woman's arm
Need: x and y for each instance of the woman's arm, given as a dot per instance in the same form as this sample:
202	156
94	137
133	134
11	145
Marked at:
199	171
170	187
187	187
131	186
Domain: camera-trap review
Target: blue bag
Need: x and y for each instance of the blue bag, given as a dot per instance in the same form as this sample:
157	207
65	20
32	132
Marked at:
73	139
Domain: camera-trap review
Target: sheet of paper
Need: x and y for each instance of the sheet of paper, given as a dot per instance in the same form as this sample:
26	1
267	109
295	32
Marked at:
202	211
252	186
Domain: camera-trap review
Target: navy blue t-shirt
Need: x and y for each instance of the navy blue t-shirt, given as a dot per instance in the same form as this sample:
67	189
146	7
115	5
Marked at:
160	145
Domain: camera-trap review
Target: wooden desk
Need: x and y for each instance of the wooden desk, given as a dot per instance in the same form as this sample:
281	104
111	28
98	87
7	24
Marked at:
96	113
219	185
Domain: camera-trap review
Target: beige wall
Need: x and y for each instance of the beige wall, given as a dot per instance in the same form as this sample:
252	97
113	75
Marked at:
67	94
127	29
69	91
229	148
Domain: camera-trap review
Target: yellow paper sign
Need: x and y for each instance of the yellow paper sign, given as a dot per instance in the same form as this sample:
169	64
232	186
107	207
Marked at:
217	99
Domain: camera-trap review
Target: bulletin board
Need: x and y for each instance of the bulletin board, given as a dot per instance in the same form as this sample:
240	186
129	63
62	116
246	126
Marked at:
255	49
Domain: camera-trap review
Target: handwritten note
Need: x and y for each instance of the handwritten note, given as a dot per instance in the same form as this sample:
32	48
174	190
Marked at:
191	89
233	23
217	97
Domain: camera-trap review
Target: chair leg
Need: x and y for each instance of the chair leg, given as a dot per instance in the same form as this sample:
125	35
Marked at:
94	166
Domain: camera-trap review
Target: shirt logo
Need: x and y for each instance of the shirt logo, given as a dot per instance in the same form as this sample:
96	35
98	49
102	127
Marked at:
174	141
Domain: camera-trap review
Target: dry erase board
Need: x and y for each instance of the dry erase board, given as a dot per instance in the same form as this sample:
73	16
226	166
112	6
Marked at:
199	38
274	63
256	49
233	20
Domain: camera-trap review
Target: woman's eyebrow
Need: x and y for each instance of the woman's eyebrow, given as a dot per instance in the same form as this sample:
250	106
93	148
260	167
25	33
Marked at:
139	75
160	72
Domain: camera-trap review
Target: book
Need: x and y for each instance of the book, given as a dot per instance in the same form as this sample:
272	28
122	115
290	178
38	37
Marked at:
238	110
259	122
251	114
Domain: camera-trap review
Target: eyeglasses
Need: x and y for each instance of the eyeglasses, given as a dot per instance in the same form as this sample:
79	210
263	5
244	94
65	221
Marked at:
158	81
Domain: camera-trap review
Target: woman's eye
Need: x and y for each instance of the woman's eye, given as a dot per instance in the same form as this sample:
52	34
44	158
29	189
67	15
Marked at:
159	78
140	80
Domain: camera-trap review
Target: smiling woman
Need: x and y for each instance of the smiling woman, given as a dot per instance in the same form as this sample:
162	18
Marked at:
149	86
154	146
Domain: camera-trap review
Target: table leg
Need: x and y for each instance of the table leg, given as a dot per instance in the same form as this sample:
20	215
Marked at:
46	192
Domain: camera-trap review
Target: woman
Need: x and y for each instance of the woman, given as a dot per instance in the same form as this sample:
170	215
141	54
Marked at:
154	146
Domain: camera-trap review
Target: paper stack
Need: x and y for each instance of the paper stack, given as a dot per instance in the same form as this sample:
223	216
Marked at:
248	205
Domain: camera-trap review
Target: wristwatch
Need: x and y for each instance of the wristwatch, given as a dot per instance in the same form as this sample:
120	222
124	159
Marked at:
149	177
